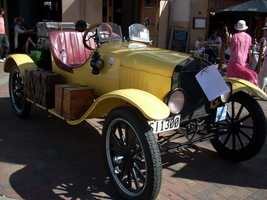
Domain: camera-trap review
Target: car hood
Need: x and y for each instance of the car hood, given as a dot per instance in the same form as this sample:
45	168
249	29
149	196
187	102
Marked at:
146	58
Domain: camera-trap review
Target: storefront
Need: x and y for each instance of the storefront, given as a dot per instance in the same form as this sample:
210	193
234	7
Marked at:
162	17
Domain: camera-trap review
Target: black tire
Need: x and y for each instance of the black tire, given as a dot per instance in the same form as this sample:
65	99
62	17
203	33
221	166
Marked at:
243	133
19	103
131	154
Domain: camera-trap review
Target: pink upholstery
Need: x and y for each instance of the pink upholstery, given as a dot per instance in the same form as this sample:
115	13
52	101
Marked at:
72	42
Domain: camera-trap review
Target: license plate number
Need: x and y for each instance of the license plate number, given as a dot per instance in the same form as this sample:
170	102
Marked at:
167	124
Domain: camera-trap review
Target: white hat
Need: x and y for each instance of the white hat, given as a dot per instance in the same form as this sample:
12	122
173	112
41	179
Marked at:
265	27
241	25
17	18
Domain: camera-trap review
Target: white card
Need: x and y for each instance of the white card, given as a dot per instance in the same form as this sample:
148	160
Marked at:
212	82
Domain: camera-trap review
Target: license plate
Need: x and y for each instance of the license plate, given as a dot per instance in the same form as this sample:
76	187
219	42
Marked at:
167	124
221	113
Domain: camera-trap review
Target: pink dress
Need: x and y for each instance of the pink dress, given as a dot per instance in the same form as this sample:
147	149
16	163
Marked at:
237	66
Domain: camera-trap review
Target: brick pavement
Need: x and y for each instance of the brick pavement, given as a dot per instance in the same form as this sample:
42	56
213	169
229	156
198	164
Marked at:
44	158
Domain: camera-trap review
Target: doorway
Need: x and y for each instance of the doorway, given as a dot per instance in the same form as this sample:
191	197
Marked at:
121	12
150	18
127	12
51	10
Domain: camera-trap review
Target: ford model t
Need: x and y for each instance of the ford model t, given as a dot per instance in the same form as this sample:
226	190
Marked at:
151	98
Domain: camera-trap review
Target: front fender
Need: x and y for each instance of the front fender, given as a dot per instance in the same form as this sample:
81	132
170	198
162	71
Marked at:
243	85
149	105
23	62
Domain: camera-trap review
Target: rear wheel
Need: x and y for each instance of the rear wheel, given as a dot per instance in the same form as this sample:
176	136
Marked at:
131	154
243	133
16	92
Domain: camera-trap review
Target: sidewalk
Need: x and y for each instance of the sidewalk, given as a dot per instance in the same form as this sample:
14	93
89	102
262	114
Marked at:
44	158
2	197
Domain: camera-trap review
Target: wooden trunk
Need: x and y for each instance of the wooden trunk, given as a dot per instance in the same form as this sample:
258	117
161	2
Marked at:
59	95
48	81
40	86
77	101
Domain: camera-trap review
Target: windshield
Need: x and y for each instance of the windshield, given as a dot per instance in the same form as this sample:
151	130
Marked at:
139	32
109	32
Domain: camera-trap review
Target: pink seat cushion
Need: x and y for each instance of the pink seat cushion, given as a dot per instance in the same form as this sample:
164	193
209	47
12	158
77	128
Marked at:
72	42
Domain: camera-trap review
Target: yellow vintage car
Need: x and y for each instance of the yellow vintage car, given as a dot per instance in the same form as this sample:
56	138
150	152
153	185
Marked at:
154	100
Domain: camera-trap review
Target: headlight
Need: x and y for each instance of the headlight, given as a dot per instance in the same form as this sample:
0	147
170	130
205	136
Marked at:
176	100
226	97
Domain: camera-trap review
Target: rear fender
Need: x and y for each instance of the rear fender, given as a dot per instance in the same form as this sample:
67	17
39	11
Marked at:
149	105
23	62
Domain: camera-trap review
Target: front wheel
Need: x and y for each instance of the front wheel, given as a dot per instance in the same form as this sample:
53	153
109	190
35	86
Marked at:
16	92
131	154
242	134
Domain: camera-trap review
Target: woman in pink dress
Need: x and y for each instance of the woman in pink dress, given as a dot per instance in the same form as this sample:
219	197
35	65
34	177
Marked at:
240	46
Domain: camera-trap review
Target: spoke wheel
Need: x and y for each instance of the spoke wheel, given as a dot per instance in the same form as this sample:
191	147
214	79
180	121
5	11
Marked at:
243	133
16	92
131	154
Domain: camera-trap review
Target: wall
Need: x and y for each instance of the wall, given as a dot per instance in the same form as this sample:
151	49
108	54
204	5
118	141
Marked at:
74	10
198	9
171	14
163	29
183	12
180	16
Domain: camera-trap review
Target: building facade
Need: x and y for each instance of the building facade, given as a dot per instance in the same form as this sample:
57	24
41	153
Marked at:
161	17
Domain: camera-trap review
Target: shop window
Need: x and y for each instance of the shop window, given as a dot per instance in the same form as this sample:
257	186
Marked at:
228	5
220	5
212	5
150	3
48	5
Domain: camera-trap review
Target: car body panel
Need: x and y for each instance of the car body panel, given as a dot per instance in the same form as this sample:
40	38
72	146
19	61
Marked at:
21	60
240	84
143	101
127	68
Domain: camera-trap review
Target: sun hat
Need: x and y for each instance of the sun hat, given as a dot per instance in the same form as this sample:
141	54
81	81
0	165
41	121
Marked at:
265	27
16	19
241	25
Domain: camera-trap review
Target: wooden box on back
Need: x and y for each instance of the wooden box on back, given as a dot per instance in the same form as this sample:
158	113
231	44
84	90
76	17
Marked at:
59	90
76	101
40	86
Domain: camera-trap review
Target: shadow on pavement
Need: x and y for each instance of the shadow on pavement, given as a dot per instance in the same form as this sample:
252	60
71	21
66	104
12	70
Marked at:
49	159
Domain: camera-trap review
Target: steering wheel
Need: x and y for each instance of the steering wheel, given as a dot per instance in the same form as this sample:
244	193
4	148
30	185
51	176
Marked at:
94	34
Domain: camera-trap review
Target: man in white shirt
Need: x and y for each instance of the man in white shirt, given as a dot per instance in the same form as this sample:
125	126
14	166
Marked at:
215	43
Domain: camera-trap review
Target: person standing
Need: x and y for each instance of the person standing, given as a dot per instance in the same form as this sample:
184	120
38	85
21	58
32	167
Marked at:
263	70
3	37
240	45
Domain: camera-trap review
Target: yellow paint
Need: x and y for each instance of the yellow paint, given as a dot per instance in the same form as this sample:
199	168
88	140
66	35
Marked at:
243	85
149	105
23	61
